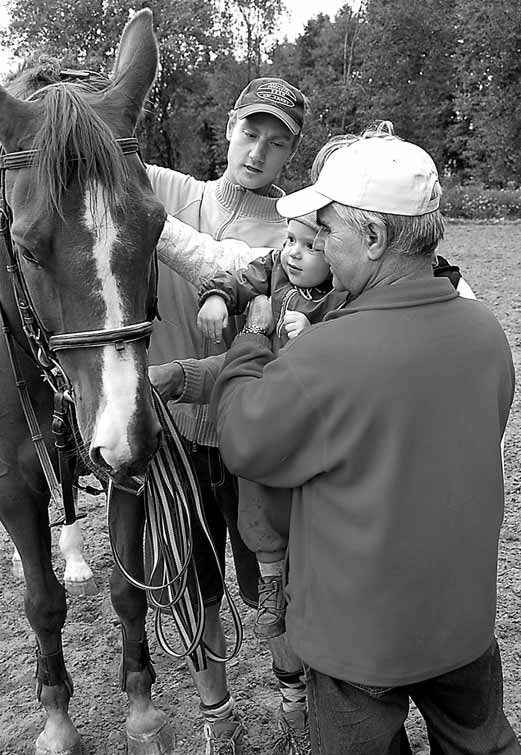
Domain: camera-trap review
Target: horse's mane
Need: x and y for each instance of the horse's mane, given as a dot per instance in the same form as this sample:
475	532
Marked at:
72	139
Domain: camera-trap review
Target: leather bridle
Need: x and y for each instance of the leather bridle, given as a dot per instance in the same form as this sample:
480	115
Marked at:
43	346
81	339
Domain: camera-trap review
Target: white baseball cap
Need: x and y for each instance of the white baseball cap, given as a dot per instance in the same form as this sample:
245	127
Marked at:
379	174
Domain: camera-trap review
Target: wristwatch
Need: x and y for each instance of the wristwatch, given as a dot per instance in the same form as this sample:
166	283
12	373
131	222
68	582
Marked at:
257	329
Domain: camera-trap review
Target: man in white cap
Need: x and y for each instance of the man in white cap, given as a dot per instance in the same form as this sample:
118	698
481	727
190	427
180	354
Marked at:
392	563
264	129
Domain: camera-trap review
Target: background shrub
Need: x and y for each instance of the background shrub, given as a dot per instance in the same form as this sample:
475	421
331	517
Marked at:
476	202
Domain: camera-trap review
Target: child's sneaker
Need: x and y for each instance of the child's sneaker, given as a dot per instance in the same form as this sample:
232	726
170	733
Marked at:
271	613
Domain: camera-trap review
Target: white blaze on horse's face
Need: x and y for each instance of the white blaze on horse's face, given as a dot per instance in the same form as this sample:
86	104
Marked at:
119	377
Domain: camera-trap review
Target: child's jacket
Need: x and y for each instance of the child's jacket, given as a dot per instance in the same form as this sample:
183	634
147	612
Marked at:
265	275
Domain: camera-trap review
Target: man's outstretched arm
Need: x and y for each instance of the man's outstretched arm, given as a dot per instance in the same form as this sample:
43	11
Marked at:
194	255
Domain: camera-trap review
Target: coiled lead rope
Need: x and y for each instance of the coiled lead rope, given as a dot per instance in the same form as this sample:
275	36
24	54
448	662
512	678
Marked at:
172	500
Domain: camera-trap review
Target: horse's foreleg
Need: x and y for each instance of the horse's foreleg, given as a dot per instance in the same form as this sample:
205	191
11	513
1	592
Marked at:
46	608
148	730
78	577
54	689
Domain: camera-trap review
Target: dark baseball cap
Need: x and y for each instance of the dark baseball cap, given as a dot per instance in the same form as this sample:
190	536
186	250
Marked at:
276	97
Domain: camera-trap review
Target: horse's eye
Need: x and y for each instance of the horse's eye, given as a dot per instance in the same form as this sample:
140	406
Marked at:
28	257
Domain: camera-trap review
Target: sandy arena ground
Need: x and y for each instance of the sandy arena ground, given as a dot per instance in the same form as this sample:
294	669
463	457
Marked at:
490	259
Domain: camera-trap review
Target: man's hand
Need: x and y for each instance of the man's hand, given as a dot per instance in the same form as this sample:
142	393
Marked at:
295	322
168	379
213	318
259	314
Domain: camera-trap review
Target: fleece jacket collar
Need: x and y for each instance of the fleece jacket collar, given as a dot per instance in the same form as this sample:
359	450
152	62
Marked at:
410	293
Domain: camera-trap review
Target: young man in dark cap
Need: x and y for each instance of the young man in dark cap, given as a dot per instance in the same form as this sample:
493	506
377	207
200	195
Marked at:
264	129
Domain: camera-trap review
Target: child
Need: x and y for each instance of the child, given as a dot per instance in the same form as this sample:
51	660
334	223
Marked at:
298	279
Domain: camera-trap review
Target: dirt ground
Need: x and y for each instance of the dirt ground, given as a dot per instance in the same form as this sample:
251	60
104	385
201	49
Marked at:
491	261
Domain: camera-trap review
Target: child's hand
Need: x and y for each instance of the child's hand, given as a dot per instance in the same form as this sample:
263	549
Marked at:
295	322
213	317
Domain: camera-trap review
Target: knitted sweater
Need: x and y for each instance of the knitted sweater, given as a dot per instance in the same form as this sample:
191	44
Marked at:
223	210
397	491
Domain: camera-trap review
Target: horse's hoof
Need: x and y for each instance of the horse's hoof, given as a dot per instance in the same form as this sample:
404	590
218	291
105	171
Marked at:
87	587
42	749
157	742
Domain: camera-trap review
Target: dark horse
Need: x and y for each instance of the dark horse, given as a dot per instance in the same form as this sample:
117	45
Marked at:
83	223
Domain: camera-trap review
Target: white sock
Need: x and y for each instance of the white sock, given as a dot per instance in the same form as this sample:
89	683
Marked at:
273	569
219	711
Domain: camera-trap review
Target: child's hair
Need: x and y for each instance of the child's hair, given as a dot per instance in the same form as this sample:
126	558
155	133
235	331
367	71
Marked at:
309	220
341	140
377	128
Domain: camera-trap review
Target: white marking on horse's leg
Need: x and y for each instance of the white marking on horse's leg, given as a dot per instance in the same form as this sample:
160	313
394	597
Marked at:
16	561
119	373
78	576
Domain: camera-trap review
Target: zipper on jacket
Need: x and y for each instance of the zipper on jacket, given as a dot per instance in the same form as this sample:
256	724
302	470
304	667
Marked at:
288	296
219	233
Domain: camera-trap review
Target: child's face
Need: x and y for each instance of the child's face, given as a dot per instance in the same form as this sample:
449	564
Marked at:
304	265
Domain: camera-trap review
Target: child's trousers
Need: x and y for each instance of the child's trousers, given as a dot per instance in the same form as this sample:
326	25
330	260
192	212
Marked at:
264	519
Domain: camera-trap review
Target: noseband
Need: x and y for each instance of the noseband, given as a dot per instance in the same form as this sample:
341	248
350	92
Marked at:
81	339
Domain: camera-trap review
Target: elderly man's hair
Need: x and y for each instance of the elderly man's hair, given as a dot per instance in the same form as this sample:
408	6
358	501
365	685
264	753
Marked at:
417	235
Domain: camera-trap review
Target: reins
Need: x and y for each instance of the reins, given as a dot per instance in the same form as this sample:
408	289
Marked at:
171	493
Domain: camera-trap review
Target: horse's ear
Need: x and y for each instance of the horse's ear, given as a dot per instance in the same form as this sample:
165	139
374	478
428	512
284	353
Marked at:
15	119
136	63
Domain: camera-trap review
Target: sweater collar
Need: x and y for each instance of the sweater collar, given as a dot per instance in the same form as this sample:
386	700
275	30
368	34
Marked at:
410	293
263	206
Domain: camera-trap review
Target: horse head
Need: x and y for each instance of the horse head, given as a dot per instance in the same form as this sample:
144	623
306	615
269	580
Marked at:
84	225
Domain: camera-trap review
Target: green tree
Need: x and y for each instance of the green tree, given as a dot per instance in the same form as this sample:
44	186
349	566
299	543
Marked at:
488	129
323	62
408	73
66	29
176	129
254	23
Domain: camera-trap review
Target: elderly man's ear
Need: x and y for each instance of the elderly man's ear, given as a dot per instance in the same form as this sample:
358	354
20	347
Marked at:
376	237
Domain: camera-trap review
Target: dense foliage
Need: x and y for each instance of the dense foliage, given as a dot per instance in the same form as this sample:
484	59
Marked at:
446	72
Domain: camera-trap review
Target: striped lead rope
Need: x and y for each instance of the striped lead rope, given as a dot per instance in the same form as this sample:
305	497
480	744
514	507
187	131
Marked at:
172	503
